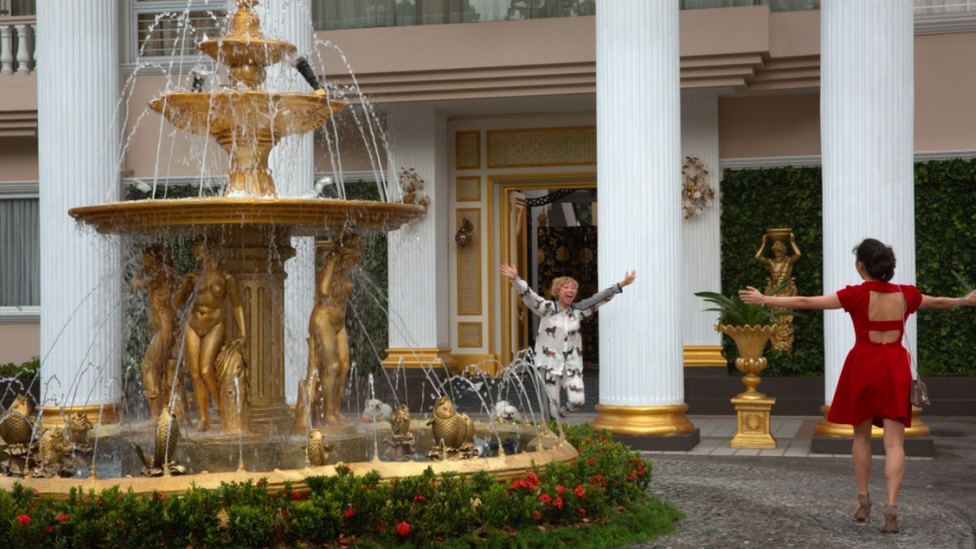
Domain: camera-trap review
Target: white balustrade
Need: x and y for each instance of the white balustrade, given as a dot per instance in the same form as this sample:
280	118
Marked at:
17	39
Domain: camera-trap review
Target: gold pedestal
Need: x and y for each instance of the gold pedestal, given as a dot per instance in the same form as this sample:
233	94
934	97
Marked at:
752	425
643	420
97	413
825	428
420	358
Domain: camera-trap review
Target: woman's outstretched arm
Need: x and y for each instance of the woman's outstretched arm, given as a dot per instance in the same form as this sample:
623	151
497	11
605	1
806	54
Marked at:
931	302
752	296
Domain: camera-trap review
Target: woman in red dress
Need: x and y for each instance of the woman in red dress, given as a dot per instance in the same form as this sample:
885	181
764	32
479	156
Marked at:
874	385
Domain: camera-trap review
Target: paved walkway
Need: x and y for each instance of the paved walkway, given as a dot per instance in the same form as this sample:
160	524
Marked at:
788	497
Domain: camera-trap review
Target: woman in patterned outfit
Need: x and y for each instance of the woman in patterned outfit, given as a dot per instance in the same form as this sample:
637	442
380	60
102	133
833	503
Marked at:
559	346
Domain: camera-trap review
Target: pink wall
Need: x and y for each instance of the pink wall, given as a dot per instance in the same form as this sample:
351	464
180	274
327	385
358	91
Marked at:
19	343
769	125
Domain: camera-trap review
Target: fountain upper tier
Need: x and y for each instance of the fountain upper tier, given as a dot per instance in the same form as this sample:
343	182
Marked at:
297	216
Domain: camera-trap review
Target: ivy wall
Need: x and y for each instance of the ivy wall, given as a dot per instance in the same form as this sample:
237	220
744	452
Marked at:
945	234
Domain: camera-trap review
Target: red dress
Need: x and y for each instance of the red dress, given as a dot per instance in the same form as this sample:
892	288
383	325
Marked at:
877	377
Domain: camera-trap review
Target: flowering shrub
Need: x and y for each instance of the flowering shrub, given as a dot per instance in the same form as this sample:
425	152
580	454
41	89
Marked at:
606	486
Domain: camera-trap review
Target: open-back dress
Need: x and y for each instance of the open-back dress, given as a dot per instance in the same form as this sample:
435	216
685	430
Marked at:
876	380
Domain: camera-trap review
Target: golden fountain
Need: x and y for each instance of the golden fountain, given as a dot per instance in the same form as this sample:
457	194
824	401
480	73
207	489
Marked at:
233	328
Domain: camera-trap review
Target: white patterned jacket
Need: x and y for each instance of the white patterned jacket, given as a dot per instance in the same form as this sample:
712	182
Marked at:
559	346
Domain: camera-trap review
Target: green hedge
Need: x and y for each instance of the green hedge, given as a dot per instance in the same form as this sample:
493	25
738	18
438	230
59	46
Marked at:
945	235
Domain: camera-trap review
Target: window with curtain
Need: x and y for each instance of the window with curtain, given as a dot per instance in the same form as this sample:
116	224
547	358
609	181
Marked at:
18	8
20	260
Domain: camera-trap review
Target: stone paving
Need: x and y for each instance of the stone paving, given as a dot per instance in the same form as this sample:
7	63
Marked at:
739	501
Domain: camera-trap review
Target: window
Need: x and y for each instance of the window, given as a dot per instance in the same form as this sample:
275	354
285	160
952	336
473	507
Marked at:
170	28
20	265
18	8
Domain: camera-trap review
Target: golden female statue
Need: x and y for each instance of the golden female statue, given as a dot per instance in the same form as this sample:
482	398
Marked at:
328	342
205	327
158	276
781	270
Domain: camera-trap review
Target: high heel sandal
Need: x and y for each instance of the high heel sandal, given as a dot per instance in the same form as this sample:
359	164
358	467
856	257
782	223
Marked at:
890	519
863	509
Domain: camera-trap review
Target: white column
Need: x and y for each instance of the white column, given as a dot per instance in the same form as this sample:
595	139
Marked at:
78	150
867	101
418	262
639	178
292	165
701	236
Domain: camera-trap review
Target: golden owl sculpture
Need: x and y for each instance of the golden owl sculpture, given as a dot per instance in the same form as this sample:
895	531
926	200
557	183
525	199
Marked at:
52	450
450	428
400	420
78	426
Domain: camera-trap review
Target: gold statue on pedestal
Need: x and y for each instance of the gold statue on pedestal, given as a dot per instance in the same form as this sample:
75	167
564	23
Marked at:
780	271
159	277
319	395
205	327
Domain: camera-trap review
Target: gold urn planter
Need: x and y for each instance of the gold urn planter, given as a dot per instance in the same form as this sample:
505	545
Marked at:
752	407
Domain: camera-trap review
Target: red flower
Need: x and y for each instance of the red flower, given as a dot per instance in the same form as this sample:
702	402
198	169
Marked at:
582	512
631	476
560	489
285	513
296	496
545	498
100	502
558	502
537	515
419	499
62	517
403	528
591	461
379	528
532	477
350	512
159	495
23	519
260	484
50	529
580	492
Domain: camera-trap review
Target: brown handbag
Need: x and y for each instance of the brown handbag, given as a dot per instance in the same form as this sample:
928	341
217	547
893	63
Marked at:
919	394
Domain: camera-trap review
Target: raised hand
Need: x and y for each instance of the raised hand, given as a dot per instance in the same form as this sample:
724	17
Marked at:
628	278
509	271
751	296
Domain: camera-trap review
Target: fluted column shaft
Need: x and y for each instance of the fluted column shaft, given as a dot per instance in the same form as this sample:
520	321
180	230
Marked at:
292	163
78	159
418	261
638	146
867	102
701	235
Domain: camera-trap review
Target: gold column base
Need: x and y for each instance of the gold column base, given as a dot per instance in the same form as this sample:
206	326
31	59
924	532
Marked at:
643	420
420	358
752	423
828	429
109	413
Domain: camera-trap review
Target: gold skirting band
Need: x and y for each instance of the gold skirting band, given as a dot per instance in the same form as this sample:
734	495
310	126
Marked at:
704	355
643	420
420	358
828	429
97	413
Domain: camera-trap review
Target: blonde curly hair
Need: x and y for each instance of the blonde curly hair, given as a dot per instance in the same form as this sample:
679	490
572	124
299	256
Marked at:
558	283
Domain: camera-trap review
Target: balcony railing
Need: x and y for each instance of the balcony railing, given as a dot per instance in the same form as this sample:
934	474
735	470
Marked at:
939	7
17	38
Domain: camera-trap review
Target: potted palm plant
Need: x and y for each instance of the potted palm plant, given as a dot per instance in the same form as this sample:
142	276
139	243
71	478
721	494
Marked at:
750	327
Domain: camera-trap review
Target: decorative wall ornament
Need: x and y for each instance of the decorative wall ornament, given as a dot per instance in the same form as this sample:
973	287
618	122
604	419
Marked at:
411	184
463	236
696	193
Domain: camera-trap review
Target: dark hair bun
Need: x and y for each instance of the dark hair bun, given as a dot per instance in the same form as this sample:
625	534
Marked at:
878	259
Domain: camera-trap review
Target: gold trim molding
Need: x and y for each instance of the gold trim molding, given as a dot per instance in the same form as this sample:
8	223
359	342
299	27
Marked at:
468	188
643	420
825	428
467	153
469	334
419	358
704	355
109	413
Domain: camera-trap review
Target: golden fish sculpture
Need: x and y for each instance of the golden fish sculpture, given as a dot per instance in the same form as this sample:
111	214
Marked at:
166	437
453	432
317	450
78	427
17	425
51	459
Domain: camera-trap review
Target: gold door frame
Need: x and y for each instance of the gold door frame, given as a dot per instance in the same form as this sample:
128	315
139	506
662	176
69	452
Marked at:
506	185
